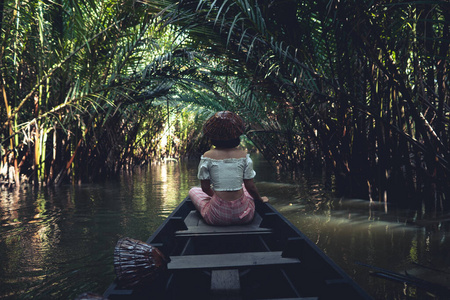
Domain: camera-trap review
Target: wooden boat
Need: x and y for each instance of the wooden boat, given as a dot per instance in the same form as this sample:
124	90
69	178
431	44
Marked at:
267	259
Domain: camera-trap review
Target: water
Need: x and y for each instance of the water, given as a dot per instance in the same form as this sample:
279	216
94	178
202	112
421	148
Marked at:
58	243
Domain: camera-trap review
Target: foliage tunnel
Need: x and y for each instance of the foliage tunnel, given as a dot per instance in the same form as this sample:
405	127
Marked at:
358	88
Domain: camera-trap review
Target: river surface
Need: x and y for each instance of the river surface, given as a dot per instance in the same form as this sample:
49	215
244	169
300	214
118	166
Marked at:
58	243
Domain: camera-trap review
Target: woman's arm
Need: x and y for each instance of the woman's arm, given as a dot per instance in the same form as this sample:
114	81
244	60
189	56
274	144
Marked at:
206	187
253	191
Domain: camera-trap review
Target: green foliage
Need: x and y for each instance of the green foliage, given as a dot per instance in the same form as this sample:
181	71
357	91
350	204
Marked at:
79	79
359	87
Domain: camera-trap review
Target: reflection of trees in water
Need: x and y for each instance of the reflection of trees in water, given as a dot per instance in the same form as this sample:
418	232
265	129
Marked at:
356	230
30	230
169	175
60	242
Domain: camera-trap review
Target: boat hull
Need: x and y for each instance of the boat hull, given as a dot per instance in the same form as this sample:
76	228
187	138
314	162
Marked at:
267	259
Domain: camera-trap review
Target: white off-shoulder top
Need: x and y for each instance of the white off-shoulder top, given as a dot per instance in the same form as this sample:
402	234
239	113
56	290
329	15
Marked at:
226	174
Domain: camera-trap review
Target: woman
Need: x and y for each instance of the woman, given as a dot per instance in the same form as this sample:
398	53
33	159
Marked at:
227	191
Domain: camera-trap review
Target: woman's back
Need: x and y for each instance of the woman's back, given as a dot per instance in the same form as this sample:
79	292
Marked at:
224	172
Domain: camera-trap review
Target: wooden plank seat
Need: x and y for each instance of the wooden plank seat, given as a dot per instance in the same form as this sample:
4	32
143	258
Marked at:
229	260
197	227
225	280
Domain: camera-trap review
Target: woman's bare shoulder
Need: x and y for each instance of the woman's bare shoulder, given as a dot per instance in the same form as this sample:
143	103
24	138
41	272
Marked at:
209	153
225	153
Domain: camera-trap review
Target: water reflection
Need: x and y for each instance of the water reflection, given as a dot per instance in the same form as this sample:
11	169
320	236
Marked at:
352	231
58	243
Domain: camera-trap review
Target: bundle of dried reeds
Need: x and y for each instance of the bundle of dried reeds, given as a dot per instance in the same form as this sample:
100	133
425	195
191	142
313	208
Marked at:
136	262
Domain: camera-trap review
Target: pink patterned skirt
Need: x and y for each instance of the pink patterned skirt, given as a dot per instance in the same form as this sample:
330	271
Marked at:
216	211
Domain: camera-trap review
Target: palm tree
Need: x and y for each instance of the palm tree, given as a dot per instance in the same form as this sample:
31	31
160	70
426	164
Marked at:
357	84
82	81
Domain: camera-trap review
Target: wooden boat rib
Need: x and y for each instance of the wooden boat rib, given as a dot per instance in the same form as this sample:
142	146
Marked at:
267	259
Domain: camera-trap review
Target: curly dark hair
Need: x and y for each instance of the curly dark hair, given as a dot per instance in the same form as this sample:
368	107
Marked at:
226	144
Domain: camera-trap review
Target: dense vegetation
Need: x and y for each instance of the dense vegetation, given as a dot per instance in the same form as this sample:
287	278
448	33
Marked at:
357	87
